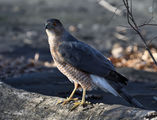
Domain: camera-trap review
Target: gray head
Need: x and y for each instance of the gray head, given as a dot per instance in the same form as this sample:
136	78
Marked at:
54	27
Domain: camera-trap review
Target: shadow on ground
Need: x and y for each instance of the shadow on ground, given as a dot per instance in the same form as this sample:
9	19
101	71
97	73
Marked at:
56	84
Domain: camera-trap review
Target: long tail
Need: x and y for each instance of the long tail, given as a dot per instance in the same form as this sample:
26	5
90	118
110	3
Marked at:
132	101
115	89
117	81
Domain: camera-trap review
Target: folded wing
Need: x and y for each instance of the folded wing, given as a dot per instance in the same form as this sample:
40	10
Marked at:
85	58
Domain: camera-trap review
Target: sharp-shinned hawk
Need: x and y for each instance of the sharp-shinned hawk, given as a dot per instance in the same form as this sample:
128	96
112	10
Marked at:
83	65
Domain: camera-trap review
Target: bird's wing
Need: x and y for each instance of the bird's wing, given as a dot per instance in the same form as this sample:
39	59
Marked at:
101	70
85	58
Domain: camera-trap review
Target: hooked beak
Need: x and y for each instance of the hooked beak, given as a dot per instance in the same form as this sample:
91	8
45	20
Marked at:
48	26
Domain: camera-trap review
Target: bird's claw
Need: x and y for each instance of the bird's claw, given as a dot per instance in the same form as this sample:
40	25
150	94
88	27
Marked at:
76	104
66	101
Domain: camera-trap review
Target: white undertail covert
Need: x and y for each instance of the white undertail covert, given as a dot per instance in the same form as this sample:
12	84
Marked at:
103	84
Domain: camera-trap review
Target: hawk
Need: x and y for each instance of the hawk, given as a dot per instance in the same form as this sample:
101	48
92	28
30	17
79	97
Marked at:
83	65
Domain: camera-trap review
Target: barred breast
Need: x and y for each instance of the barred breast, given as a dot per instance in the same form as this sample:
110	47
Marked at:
76	75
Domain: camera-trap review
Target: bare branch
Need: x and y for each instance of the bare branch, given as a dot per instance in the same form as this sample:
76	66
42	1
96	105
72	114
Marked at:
114	14
135	27
152	40
147	23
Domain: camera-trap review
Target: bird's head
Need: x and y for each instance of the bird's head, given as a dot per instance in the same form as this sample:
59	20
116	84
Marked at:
54	27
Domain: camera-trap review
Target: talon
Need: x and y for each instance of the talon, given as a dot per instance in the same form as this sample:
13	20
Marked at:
76	104
83	102
66	101
58	102
75	99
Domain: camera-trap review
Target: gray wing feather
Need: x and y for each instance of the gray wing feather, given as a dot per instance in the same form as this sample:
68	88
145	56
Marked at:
85	58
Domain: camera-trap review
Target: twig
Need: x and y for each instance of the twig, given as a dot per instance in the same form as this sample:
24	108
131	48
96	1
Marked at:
152	40
135	27
144	24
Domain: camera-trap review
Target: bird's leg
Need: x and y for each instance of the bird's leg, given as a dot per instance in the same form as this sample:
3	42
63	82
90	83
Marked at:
70	98
83	102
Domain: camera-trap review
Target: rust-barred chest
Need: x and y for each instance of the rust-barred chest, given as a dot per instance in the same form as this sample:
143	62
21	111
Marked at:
75	75
72	73
55	53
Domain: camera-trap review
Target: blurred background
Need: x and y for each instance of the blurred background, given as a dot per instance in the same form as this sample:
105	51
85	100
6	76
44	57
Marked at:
23	40
24	46
22	33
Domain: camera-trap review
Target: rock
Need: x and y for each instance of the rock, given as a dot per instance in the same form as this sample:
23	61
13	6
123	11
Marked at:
34	96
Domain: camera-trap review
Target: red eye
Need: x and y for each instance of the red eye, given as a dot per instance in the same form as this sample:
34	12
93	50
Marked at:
54	24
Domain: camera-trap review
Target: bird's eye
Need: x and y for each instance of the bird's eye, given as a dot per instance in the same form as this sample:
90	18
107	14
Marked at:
54	24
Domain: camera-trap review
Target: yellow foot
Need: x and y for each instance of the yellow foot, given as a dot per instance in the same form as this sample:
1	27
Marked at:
76	104
66	101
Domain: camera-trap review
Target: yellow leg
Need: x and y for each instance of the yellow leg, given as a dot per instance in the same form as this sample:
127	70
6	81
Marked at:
70	98
83	96
83	102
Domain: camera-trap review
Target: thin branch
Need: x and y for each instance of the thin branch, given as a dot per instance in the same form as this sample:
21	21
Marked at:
135	27
152	40
109	7
113	14
145	24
